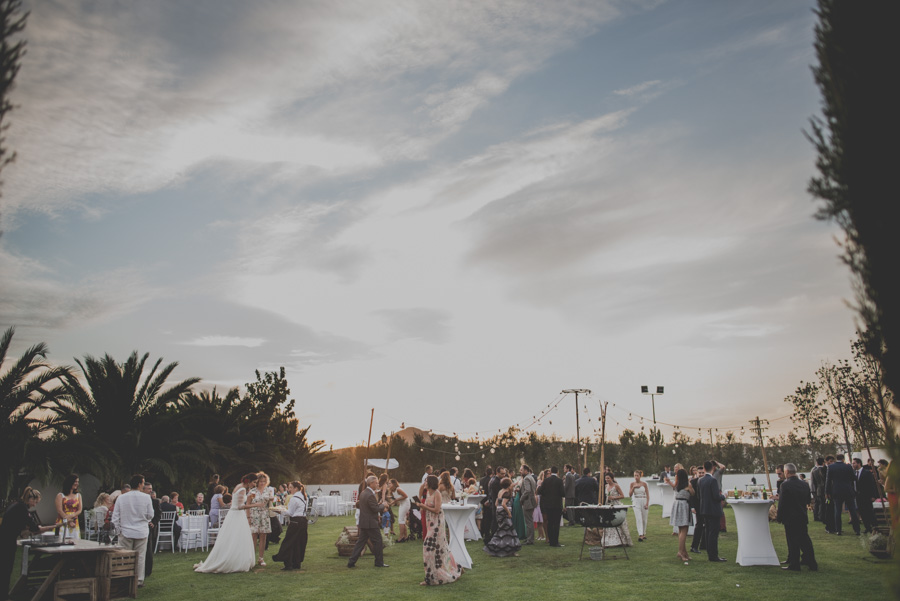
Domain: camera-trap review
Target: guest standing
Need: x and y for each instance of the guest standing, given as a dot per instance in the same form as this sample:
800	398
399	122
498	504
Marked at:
505	542
487	507
681	511
528	490
216	504
569	485
369	531
552	492
293	548
711	499
866	493
68	507
401	500
621	536
260	526
132	514
792	504
840	487
440	565
18	518
640	501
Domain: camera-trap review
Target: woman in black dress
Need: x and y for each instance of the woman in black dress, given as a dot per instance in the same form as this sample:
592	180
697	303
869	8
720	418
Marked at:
18	518
505	543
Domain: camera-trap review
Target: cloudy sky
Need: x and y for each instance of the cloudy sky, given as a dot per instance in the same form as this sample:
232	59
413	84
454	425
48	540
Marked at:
447	211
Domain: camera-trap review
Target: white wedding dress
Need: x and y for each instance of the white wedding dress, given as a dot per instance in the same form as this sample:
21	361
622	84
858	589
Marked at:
233	551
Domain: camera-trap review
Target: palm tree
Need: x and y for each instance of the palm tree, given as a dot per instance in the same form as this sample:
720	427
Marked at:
119	422
25	389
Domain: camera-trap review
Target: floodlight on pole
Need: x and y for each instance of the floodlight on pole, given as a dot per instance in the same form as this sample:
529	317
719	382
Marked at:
659	390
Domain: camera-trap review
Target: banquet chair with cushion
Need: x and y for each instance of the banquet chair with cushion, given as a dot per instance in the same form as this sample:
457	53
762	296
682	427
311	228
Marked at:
192	532
166	527
91	526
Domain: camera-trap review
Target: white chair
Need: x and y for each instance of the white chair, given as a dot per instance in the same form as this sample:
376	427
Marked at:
166	530
91	528
321	506
192	533
213	531
196	512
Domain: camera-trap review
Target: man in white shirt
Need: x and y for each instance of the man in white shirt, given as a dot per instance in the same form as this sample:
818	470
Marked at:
428	471
131	518
454	478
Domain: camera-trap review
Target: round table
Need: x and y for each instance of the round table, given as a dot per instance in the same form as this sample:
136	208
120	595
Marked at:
456	517
666	498
754	538
472	532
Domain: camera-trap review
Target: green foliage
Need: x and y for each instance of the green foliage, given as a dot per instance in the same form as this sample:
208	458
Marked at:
12	23
809	410
28	385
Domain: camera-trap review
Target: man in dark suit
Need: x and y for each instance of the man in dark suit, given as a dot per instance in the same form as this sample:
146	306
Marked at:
840	487
552	492
587	489
569	479
711	499
494	489
370	511
487	507
792	502
154	529
866	493
817	485
698	543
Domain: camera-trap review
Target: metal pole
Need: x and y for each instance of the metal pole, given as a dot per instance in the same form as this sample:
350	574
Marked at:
655	431
369	442
577	430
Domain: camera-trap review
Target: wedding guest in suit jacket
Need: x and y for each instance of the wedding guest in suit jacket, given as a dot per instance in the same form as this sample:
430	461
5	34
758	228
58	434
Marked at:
840	487
569	480
529	501
165	504
817	485
711	510
587	490
792	503
487	507
369	525
552	492
866	493
154	528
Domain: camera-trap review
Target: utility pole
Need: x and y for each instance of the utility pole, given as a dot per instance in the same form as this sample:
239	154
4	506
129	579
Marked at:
758	429
577	391
655	432
368	443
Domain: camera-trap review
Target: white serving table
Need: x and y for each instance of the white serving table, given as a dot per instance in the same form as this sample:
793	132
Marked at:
666	498
456	517
472	532
654	492
332	505
754	539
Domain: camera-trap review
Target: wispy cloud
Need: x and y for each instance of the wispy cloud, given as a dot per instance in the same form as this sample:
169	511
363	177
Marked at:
225	341
418	323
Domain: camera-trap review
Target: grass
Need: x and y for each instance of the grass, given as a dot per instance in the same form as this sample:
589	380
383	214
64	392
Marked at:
846	571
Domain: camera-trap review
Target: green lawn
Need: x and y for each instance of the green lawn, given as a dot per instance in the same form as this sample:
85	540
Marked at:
846	571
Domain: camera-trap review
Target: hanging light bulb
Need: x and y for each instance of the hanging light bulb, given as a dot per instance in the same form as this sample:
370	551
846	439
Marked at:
493	450
475	463
629	417
457	457
482	455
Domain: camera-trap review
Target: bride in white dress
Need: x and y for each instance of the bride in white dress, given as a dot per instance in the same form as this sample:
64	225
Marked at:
233	551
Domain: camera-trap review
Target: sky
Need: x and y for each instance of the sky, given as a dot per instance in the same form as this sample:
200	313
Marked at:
446	211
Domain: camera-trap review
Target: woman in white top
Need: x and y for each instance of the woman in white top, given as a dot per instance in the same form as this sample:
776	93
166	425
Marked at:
401	499
233	551
640	501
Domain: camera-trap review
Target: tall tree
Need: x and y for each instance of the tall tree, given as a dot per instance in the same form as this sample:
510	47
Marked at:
857	143
28	385
115	423
809	412
834	383
12	23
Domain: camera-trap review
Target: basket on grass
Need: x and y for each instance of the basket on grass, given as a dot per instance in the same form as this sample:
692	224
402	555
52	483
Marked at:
347	540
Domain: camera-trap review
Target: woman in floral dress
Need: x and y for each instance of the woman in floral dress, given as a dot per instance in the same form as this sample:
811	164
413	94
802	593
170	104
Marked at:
440	566
68	507
258	499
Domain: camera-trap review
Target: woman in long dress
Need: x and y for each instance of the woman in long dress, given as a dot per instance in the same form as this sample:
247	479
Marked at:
233	551
505	543
440	566
611	536
681	511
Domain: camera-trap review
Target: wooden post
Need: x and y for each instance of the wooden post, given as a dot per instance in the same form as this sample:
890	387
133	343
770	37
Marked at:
387	464
368	443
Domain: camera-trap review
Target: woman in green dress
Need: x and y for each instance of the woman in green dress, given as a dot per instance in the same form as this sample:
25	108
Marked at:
519	514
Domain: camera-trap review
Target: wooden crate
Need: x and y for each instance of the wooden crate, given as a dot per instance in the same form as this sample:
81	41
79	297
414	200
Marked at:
76	588
117	575
346	549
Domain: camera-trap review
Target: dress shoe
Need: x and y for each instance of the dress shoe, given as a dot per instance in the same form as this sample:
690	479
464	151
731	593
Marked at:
719	559
384	565
351	565
693	550
287	569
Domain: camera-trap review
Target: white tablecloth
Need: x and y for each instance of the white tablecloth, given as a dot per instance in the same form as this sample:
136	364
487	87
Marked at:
667	497
193	544
332	505
754	539
456	517
472	532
